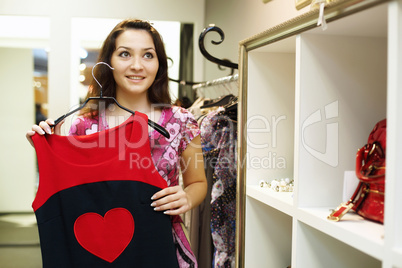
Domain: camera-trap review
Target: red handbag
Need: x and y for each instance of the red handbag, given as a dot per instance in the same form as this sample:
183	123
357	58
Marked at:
368	198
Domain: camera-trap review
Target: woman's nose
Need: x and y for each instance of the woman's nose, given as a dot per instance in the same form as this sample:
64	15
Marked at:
136	64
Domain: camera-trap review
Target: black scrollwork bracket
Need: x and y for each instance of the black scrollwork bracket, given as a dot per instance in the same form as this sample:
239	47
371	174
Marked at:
208	56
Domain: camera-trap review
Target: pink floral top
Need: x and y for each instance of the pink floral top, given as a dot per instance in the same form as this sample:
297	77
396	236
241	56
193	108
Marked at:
166	154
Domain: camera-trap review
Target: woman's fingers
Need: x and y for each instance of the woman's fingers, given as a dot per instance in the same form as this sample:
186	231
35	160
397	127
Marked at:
35	129
171	200
45	125
43	128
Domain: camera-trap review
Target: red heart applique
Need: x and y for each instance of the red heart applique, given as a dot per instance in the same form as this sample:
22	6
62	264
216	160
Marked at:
106	237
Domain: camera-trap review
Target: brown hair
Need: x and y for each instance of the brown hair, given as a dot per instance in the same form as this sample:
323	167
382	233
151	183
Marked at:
158	93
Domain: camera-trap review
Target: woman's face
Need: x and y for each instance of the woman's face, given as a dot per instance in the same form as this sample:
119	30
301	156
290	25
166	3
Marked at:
135	63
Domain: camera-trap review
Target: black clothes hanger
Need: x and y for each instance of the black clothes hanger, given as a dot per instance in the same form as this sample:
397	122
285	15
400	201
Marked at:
232	105
231	109
222	101
152	124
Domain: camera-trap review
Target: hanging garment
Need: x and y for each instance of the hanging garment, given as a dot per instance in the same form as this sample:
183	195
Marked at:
93	201
200	226
218	140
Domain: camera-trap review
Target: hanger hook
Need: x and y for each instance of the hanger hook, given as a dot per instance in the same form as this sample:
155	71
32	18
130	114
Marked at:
93	76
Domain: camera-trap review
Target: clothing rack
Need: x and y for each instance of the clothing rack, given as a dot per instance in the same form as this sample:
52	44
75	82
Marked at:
218	87
219	81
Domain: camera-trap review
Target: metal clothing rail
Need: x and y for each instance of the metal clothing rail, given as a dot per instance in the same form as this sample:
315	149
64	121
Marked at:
218	81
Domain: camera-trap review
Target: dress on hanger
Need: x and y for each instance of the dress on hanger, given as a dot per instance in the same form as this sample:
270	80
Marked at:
93	204
165	154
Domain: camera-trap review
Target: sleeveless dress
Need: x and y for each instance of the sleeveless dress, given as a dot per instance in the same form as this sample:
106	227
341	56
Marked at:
93	204
166	153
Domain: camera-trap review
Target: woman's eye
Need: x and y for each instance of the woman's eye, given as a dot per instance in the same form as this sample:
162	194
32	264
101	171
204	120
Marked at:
149	55
124	54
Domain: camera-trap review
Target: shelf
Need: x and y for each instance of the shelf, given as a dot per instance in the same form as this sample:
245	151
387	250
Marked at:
353	230
329	88
316	249
268	222
280	201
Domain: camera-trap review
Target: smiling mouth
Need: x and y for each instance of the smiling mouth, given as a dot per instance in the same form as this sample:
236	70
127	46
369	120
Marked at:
135	77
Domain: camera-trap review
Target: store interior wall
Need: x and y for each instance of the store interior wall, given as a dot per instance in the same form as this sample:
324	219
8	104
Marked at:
17	168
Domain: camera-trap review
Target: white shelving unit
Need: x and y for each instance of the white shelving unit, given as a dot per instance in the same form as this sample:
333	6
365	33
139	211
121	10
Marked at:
308	100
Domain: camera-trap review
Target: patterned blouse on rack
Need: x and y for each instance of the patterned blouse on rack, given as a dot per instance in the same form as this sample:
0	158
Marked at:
218	140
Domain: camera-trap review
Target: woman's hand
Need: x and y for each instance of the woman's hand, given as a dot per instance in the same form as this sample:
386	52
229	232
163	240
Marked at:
171	200
175	200
42	129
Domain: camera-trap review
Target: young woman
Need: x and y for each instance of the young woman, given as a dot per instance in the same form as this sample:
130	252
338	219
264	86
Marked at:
139	82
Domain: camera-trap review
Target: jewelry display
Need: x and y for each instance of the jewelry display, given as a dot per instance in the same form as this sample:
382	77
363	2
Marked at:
278	185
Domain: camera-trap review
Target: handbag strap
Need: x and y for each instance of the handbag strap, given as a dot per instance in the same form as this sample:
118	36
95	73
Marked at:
344	208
